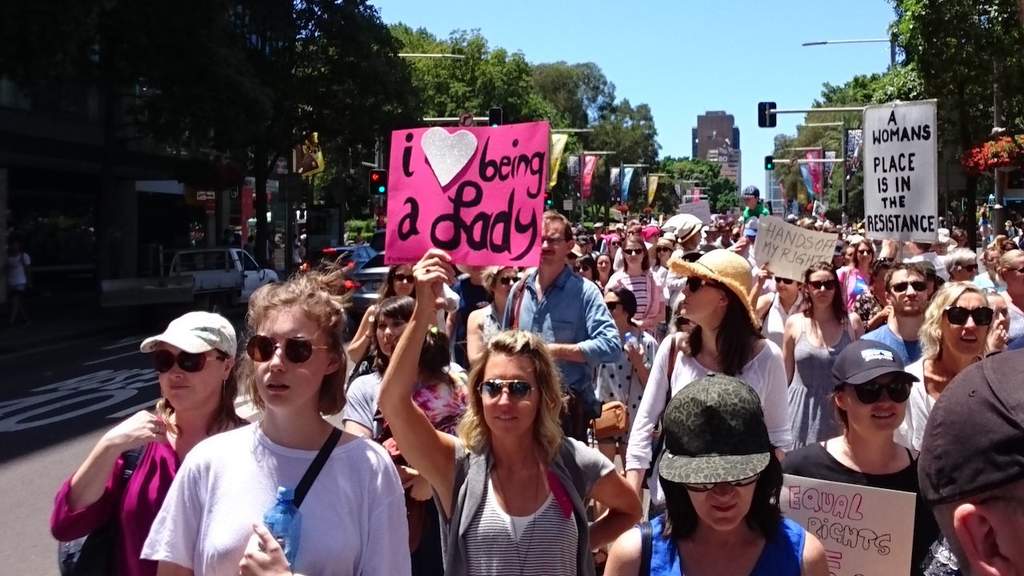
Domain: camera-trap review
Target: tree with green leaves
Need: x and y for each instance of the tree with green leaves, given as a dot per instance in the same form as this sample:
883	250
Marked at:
721	191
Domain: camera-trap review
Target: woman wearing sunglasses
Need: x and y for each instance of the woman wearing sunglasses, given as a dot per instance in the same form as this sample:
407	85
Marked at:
194	359
954	336
587	268
212	519
774	308
512	489
869	400
856	278
1011	271
722	481
962	264
485	322
399	282
726	340
638	278
810	345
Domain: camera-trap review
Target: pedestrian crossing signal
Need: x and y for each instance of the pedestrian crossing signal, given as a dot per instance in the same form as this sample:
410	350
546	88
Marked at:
378	181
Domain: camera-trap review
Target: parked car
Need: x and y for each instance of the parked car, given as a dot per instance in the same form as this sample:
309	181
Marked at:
369	278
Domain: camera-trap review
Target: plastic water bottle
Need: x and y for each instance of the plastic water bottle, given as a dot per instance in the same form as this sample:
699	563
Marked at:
285	523
630	340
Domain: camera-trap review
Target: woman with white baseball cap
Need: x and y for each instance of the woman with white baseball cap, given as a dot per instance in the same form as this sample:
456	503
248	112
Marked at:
127	474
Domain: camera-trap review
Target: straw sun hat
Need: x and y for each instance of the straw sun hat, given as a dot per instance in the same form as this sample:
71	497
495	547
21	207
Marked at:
724	267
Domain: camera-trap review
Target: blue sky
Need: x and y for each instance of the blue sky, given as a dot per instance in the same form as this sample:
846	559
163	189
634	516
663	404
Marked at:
683	57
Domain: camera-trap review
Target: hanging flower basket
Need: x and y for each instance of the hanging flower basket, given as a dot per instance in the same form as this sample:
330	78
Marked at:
1003	152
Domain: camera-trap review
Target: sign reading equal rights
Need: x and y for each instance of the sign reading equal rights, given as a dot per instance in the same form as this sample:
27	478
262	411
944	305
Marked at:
477	193
865	531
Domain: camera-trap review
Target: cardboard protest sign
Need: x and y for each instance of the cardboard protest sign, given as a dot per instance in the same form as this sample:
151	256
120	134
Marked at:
900	171
477	193
865	531
701	209
788	250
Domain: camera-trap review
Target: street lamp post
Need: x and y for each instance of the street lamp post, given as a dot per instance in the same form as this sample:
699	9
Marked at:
889	41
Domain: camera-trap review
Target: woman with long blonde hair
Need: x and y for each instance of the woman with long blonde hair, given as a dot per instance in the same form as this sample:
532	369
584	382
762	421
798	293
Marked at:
511	487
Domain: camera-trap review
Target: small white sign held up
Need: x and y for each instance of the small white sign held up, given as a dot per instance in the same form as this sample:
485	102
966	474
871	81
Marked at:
865	531
788	250
901	171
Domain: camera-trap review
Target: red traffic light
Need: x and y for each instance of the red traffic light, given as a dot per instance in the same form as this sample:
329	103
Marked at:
375	176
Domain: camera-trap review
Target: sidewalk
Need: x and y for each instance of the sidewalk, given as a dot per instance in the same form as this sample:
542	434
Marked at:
61	317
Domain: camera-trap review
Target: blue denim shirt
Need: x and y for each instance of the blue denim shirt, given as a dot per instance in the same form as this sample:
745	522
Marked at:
571	311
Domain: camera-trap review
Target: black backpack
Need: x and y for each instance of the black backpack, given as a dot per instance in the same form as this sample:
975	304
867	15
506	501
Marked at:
93	555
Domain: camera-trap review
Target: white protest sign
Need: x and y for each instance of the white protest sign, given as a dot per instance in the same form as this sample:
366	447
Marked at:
900	171
788	250
866	531
701	209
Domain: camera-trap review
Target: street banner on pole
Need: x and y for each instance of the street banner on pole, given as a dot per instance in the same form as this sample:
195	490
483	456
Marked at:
476	192
557	148
811	174
788	250
901	171
864	530
613	178
589	165
652	188
700	208
627	177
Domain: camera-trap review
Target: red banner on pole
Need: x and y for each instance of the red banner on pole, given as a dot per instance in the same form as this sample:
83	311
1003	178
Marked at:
589	164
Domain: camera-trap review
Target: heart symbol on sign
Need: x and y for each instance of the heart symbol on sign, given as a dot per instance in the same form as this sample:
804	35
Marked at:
447	153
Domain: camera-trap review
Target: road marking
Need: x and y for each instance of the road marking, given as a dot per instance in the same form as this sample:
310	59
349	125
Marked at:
129	411
101	360
124	342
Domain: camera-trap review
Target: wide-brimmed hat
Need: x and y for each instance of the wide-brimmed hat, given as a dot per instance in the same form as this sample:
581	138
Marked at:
196	332
724	267
714	432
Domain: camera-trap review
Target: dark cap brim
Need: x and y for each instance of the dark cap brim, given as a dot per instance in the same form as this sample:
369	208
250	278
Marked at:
711	469
869	375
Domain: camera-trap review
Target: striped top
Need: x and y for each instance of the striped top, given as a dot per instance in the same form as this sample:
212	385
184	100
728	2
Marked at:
542	543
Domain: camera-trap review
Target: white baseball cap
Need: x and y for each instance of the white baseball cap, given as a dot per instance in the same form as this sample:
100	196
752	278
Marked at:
197	332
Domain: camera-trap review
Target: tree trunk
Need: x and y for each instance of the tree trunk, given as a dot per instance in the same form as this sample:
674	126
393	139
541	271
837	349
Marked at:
261	170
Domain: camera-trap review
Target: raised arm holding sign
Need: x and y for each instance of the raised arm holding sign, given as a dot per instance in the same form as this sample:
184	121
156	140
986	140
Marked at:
477	193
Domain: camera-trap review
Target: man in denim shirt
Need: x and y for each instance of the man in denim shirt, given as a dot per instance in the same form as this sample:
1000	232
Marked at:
570	314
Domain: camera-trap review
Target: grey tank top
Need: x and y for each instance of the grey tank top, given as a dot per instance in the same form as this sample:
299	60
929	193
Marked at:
810	408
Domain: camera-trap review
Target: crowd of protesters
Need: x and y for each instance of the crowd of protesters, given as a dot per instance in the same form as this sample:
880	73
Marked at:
511	421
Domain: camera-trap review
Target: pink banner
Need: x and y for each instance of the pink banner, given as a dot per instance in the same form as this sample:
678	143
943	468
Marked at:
477	193
589	164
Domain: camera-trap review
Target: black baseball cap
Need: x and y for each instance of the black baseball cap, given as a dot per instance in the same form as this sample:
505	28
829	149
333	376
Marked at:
864	360
714	432
974	440
752	191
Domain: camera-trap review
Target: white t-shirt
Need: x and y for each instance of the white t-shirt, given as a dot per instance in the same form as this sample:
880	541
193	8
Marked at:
16	275
765	373
919	407
228	481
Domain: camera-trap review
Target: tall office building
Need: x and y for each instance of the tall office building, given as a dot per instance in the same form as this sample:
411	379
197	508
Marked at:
716	138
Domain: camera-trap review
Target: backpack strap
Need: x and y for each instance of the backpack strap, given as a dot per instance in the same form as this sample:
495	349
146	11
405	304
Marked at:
315	466
517	304
646	548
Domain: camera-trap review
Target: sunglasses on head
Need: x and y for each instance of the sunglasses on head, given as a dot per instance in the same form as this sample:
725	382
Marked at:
164	360
404	278
958	315
517	389
707	487
871	392
633	251
822	284
297	350
917	285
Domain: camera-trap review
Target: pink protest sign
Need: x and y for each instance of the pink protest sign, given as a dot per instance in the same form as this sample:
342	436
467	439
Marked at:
477	193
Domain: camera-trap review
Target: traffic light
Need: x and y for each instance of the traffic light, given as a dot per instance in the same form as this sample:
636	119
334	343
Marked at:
769	163
549	202
766	117
494	116
378	181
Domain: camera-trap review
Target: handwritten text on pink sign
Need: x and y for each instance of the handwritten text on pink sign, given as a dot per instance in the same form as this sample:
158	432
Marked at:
474	192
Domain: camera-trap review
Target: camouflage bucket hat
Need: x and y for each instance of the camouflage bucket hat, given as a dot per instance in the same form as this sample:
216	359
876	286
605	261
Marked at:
714	432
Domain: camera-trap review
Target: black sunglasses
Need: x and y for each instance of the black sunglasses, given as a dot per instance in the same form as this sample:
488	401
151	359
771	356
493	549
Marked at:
957	315
164	360
822	284
786	281
517	389
680	321
707	487
297	350
405	278
508	280
633	251
664	249
917	285
694	283
871	392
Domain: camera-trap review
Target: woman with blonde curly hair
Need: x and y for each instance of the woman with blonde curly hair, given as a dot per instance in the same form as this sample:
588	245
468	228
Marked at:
512	489
953	337
212	519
